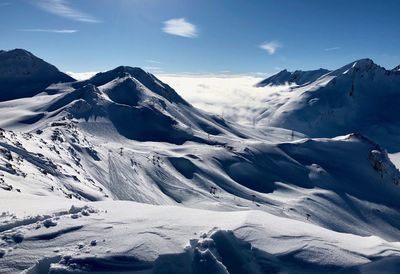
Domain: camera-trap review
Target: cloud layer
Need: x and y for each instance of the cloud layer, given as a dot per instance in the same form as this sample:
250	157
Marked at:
180	27
51	30
271	47
64	9
333	48
232	96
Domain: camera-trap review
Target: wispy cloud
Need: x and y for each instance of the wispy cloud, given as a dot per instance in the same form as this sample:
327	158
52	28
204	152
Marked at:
50	30
180	27
152	68
153	61
271	47
64	9
333	48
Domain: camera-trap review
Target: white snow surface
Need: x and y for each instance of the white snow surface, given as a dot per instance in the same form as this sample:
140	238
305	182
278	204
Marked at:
129	237
119	174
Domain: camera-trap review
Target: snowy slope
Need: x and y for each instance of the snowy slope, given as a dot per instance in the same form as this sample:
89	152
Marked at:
350	99
230	198
24	75
82	161
126	237
119	97
297	77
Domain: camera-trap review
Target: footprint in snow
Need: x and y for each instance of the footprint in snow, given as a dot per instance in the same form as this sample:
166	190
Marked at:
85	212
75	216
18	237
49	223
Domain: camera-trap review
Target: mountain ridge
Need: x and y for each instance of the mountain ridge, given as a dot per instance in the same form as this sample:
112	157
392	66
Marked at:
297	77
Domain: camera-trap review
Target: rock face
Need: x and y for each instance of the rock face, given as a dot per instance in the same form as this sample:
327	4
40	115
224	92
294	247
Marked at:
297	77
22	74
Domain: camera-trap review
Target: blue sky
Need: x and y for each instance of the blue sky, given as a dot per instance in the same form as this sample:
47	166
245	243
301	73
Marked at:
203	36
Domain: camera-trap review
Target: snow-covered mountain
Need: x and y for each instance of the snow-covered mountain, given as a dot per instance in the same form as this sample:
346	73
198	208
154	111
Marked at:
359	97
297	77
24	75
119	174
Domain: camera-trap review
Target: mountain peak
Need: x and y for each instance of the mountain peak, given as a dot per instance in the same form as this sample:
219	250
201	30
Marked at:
148	80
19	56
120	72
396	69
364	63
123	71
22	74
17	52
129	69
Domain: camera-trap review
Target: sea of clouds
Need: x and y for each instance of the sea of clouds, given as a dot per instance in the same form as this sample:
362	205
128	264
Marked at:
234	97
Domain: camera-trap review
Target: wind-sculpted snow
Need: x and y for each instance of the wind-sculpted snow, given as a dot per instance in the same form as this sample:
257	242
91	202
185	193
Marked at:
119	237
80	161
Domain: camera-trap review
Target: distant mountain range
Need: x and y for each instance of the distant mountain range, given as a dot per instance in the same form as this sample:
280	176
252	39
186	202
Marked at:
359	97
297	77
